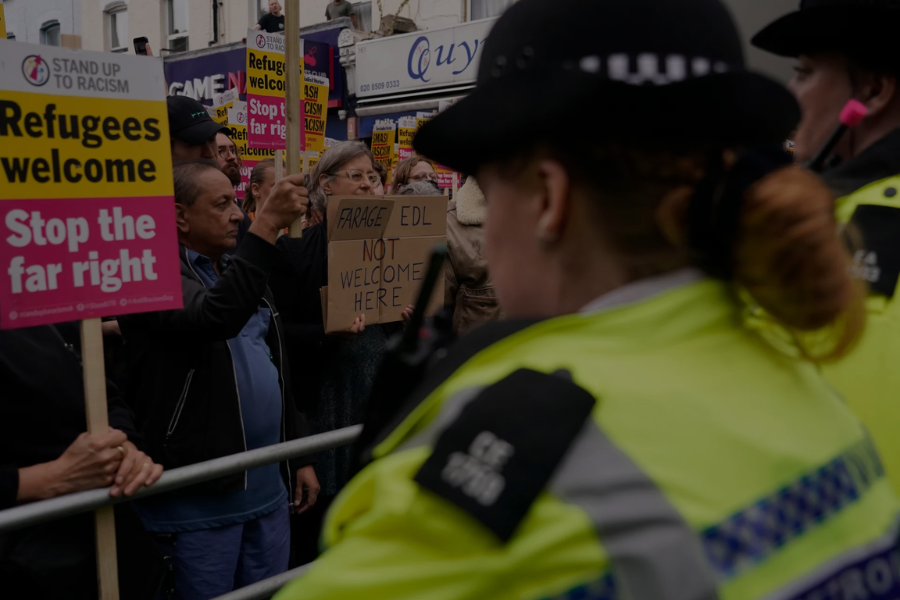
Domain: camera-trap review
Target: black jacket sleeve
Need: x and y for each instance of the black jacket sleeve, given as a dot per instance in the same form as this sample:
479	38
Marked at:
9	485
218	313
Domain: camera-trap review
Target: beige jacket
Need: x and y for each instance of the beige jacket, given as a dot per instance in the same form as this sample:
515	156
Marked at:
468	291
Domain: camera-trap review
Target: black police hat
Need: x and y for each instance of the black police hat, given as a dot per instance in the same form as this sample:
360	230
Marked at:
653	69
189	122
864	28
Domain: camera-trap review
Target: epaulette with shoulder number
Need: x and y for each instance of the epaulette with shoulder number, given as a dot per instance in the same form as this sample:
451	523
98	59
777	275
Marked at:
501	451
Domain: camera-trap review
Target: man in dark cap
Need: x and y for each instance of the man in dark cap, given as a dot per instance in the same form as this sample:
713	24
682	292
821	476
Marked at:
848	49
194	135
192	131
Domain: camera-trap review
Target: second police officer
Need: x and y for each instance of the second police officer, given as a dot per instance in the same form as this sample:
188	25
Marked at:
848	49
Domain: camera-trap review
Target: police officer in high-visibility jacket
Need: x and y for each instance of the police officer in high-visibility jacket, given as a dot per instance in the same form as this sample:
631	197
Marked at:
848	49
633	433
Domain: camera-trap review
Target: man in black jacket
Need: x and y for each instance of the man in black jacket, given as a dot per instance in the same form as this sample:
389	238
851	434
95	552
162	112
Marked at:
211	380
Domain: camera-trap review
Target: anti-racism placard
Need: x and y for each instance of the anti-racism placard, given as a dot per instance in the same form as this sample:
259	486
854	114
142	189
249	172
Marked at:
313	157
315	111
222	103
406	131
378	253
383	136
88	228
236	121
267	117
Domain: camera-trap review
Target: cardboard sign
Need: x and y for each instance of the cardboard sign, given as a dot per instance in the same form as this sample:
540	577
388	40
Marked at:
378	252
315	111
267	126
383	143
87	227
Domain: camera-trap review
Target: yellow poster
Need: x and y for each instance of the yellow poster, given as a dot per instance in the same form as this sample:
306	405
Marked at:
2	22
222	103
315	111
406	131
383	135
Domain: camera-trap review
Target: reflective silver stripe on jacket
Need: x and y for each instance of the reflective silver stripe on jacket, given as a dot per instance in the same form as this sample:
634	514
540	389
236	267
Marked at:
653	552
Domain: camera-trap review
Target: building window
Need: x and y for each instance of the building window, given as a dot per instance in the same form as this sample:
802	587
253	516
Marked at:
363	12
484	9
262	9
177	16
50	33
117	22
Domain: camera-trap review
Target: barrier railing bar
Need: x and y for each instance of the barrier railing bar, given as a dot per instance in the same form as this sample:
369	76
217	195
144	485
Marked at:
262	590
72	504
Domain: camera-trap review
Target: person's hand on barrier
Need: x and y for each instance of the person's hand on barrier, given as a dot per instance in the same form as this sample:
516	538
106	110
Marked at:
91	461
136	470
307	489
286	203
359	325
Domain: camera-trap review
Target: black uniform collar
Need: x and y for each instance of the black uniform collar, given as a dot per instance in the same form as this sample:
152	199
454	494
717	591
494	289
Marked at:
880	161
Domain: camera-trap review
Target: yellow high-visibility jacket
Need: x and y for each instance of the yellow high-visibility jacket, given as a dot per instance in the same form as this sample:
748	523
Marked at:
869	378
651	450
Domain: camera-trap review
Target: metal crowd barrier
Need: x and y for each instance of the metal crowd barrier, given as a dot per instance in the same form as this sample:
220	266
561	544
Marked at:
72	504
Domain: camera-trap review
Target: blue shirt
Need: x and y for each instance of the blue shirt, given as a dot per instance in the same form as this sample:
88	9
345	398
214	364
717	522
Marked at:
260	398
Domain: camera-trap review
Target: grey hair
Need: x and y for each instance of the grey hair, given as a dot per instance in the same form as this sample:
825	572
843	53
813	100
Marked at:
420	188
187	188
329	164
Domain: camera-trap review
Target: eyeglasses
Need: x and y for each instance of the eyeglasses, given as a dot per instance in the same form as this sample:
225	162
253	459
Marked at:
357	176
224	151
424	177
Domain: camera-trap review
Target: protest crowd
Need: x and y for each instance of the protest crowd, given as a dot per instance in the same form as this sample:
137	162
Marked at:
655	362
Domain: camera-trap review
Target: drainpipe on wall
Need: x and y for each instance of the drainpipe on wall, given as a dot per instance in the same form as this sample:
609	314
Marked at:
215	17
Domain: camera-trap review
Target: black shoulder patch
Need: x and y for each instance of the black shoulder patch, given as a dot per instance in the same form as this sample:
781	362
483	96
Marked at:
504	447
879	263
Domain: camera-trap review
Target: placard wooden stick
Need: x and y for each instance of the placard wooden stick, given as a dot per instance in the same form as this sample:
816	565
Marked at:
292	97
98	422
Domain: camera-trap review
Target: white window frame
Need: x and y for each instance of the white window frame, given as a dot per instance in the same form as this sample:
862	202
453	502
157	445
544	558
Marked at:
181	36
49	26
109	15
470	3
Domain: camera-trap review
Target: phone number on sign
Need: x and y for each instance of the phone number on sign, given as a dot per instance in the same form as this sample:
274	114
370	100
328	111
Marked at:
383	85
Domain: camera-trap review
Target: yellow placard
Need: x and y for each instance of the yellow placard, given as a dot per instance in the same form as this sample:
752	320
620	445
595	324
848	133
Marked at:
68	147
315	112
265	73
2	22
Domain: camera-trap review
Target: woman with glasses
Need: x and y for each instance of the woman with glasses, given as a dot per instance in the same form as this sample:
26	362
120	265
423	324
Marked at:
413	169
333	373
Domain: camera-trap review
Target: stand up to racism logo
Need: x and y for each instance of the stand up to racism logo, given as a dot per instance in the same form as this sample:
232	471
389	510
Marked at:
36	70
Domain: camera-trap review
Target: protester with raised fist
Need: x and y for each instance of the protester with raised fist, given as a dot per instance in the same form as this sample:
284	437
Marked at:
213	379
